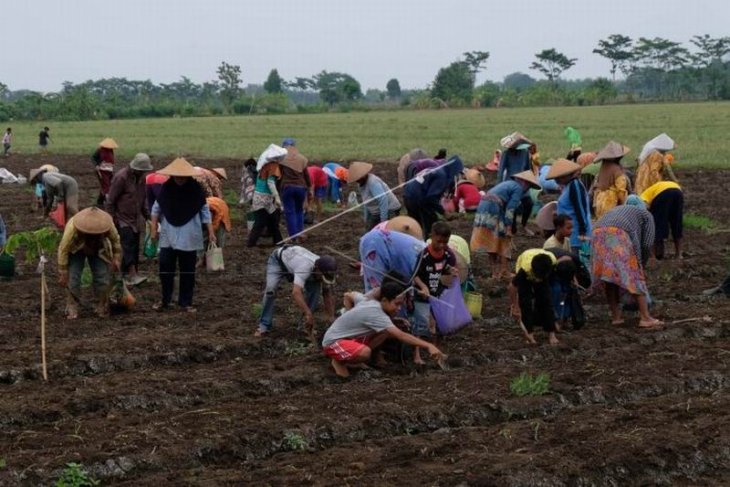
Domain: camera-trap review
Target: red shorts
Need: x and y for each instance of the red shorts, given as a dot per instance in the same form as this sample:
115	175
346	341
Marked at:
345	349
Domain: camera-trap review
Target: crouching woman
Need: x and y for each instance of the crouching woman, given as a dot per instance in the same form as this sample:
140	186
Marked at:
350	340
89	235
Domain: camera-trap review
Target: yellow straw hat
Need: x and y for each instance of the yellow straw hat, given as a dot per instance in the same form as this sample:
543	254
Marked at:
562	167
93	221
529	177
108	143
221	172
613	150
405	224
475	177
179	167
358	170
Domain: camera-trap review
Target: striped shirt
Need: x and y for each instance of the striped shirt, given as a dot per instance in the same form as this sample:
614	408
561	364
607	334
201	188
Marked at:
637	223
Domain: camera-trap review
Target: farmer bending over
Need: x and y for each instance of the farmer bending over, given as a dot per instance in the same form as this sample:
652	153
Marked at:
349	341
310	275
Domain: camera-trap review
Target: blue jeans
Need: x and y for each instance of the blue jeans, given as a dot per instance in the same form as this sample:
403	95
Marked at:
292	199
274	275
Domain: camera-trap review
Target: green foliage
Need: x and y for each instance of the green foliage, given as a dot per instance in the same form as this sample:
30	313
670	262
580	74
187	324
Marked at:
256	311
74	475
229	76
518	81
617	49
297	348
528	385
295	441
699	222
36	243
454	84
274	83
337	87
476	60
552	63
3	463
393	89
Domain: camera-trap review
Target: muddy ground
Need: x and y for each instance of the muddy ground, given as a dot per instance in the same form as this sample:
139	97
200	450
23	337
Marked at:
180	399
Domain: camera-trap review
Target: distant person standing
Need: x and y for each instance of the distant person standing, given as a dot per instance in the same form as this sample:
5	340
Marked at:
43	138
103	159
7	141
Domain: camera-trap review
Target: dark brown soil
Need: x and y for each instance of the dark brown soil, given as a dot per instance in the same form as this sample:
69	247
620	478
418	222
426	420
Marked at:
180	399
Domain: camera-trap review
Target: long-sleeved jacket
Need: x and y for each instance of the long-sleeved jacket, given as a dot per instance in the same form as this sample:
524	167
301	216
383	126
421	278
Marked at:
73	241
384	201
59	186
126	201
429	189
513	161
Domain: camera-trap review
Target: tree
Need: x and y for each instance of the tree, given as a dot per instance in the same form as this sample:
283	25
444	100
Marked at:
336	87
518	81
454	83
274	83
393	88
476	60
230	81
617	49
709	50
661	54
552	63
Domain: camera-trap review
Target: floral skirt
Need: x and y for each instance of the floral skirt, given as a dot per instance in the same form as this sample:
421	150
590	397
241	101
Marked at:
489	233
615	262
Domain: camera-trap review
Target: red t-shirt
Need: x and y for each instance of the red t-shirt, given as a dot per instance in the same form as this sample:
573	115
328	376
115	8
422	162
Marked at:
469	193
317	176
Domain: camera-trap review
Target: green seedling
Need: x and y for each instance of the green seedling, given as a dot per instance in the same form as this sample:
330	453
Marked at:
528	385
36	243
295	441
74	475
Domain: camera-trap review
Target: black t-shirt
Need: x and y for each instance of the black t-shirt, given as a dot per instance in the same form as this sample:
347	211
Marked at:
431	269
43	137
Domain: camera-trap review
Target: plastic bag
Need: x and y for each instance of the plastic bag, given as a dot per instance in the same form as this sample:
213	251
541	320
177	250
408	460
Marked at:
58	216
449	309
120	297
352	199
214	258
150	246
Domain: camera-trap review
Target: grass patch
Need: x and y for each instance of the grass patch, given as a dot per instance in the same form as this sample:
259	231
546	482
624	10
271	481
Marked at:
699	222
74	475
528	385
295	441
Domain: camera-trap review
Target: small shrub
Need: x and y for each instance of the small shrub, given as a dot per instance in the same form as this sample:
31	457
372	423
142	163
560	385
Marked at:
74	475
295	441
528	385
699	222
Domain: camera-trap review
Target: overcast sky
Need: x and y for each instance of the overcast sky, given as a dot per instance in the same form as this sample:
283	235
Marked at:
46	42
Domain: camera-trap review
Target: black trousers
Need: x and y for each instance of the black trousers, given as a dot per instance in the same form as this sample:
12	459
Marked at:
536	305
525	209
130	248
667	208
263	220
170	259
424	213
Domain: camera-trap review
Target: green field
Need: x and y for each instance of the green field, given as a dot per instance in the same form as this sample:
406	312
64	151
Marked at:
700	130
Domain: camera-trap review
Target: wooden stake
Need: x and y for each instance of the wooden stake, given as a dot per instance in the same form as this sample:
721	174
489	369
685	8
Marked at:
43	325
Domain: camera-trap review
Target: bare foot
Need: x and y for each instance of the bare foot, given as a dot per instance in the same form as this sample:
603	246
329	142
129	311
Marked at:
552	339
618	322
652	323
340	368
72	314
528	336
259	333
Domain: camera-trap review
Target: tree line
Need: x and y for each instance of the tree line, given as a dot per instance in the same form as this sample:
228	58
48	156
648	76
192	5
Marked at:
654	69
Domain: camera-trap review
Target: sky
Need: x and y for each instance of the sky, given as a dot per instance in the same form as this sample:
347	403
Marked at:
47	42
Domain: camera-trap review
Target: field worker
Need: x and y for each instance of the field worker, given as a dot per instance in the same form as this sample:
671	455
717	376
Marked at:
622	242
43	138
89	235
466	194
530	295
266	203
336	176
414	155
181	212
382	205
655	163
516	158
294	186
611	187
311	275
388	248
492	230
318	188
153	184
103	159
436	270
666	204
211	180
7	141
569	273
563	225
3	233
126	203
220	219
548	185
39	191
350	340
248	182
422	195
573	201
59	189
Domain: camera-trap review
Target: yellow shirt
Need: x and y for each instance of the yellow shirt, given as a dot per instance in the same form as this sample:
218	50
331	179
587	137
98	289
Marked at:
73	241
653	191
524	261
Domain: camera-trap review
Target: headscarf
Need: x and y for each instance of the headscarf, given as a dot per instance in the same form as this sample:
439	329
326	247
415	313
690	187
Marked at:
272	153
608	173
661	143
181	202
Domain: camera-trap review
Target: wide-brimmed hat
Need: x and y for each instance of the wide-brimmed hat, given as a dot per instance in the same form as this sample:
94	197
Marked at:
514	139
562	167
417	154
327	265
108	143
93	221
358	170
34	174
179	167
475	177
613	150
405	224
220	172
141	162
544	218
529	177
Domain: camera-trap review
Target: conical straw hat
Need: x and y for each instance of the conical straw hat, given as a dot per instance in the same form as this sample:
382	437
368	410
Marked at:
93	221
178	167
529	177
108	143
220	172
562	167
405	224
544	218
613	150
513	140
358	170
475	177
